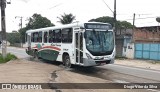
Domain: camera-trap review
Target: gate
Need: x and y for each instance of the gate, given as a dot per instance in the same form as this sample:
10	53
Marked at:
147	51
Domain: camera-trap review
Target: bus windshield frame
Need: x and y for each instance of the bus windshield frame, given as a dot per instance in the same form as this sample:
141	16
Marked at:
99	41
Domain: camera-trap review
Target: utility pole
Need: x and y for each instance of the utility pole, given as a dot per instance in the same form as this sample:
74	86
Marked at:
20	28
3	28
115	19
134	19
133	29
114	14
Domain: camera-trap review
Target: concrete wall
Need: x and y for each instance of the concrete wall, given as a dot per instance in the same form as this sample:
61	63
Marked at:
130	50
127	39
8	43
25	45
123	36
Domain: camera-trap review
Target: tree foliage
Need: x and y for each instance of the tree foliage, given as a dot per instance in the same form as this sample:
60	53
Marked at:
107	19
35	22
66	18
13	37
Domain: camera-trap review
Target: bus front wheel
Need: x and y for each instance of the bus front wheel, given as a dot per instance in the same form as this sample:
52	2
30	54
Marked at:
35	54
66	61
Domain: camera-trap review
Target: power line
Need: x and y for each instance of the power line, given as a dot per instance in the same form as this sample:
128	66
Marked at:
141	18
107	6
56	5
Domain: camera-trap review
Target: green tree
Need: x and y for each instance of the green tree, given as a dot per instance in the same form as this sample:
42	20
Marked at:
124	24
22	32
104	19
107	19
35	22
66	18
13	38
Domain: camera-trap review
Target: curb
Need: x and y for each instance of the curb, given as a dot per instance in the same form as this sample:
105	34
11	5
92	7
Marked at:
138	67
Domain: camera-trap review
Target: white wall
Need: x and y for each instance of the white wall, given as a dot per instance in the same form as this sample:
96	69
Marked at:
8	43
130	50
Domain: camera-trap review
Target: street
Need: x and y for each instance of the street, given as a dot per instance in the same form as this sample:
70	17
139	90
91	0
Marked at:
153	76
42	71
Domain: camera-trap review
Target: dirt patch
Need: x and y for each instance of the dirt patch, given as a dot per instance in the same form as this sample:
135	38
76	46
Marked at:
23	71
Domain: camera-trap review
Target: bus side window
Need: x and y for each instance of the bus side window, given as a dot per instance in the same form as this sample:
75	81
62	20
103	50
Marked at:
50	36
58	35
67	35
40	37
53	37
35	37
70	33
45	37
32	40
64	35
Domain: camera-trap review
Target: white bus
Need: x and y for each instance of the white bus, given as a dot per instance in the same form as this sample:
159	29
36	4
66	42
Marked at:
84	44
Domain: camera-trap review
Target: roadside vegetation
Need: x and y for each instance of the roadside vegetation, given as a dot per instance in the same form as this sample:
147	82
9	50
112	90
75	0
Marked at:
154	61
120	57
8	58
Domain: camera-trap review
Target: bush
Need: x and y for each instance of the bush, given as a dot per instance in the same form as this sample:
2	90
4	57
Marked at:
120	57
8	58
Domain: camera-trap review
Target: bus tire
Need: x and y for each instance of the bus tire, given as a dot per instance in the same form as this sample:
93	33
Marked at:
36	54
66	61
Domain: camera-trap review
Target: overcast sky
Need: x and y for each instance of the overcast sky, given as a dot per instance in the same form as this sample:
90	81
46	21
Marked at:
84	10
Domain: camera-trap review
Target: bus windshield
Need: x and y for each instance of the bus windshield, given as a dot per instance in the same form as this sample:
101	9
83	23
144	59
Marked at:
99	42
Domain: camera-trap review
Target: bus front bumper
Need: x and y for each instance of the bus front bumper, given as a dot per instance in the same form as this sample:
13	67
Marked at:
91	62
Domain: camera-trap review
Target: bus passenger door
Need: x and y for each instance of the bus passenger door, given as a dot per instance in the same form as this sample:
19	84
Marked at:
28	42
78	47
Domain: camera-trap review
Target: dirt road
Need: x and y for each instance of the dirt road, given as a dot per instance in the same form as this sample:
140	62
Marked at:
23	71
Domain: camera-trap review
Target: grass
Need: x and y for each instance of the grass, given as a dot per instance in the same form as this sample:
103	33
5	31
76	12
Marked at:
8	58
155	62
120	57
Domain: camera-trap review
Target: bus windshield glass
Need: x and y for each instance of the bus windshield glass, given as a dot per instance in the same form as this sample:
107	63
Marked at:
99	42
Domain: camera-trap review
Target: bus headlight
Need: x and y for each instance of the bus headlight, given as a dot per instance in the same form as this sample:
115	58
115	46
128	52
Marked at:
88	56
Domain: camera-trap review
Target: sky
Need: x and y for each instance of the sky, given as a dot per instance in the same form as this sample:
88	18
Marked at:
146	10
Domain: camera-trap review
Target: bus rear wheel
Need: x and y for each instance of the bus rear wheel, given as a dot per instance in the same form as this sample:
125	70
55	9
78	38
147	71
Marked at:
66	61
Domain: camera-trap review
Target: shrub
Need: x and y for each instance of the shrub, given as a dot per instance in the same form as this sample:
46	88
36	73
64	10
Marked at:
8	58
120	57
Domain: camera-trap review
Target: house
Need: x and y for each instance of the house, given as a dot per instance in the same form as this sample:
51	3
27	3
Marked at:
123	37
145	43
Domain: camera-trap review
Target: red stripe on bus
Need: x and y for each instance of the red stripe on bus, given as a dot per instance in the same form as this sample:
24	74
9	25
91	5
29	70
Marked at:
35	47
56	48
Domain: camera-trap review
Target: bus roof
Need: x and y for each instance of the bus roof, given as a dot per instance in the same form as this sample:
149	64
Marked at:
75	24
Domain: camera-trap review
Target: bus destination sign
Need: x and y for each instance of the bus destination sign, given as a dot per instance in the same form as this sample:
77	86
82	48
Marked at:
98	26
